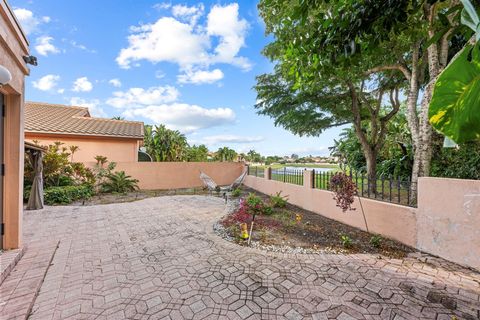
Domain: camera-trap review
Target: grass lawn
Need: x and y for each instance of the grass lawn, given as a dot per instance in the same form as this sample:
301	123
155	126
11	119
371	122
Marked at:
277	166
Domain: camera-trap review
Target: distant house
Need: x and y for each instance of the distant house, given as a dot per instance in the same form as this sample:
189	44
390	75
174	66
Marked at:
118	140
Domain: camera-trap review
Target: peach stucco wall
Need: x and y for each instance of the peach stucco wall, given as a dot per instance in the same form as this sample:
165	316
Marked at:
390	220
445	223
449	219
13	46
176	175
118	150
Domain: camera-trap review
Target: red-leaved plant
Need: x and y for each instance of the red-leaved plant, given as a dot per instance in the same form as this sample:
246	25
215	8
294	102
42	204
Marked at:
243	215
345	190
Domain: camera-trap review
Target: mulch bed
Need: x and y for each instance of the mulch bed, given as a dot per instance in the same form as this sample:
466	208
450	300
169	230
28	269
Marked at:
314	232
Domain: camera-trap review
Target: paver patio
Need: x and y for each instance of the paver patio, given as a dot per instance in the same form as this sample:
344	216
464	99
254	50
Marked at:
159	258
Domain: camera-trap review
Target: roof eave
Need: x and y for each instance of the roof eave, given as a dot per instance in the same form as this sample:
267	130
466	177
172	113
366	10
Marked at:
85	134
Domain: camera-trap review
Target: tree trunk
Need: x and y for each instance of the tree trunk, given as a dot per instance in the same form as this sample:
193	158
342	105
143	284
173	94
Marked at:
418	119
371	157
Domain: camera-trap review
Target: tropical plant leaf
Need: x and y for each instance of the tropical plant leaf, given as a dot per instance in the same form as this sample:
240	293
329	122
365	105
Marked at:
455	105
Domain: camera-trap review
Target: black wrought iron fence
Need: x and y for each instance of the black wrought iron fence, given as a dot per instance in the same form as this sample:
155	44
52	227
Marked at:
256	171
294	176
384	188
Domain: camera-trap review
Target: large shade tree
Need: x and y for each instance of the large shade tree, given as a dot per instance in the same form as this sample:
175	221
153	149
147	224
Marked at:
314	87
411	39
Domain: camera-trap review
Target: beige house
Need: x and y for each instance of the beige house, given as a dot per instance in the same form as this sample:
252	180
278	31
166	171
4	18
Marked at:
14	53
118	140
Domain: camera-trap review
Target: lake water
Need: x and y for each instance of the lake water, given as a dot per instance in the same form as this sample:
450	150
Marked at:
317	169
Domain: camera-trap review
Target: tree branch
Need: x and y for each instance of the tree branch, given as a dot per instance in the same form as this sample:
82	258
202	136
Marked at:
398	67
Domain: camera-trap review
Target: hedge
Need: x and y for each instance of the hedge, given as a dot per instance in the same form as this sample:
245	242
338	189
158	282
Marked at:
63	195
67	194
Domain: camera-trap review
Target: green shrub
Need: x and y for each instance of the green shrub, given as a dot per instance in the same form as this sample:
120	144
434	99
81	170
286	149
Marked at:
268	210
278	201
119	182
376	240
26	192
254	204
59	168
236	192
67	194
346	241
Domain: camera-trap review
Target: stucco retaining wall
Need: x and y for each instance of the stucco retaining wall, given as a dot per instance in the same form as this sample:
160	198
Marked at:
177	175
446	222
448	219
390	220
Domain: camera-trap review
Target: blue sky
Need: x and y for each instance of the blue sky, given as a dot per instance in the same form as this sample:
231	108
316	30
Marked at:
188	65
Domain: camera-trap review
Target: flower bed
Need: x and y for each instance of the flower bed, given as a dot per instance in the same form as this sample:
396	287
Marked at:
280	226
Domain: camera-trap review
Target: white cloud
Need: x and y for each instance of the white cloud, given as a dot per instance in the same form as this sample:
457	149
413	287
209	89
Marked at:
115	82
29	21
82	85
80	46
200	76
139	97
188	14
182	40
224	22
47	82
184	117
166	40
219	139
44	46
162	6
159	74
92	105
61	90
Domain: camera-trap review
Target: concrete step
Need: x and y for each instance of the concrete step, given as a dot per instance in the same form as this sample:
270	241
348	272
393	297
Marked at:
8	260
20	288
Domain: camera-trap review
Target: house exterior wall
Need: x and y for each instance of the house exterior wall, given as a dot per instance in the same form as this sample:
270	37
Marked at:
13	46
115	149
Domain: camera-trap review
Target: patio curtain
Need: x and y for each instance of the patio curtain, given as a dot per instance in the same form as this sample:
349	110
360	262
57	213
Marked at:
35	201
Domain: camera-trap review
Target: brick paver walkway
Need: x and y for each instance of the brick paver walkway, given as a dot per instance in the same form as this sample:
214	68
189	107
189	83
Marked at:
159	258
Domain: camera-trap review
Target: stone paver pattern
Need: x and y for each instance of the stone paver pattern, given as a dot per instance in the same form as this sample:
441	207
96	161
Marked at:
160	259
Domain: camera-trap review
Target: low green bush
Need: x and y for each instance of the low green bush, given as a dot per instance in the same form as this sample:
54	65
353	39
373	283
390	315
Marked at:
236	192
26	192
268	210
67	194
254	204
346	241
376	240
118	182
278	201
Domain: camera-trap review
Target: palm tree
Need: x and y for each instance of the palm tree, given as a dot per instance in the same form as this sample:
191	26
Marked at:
101	160
118	118
164	144
73	149
119	182
225	154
